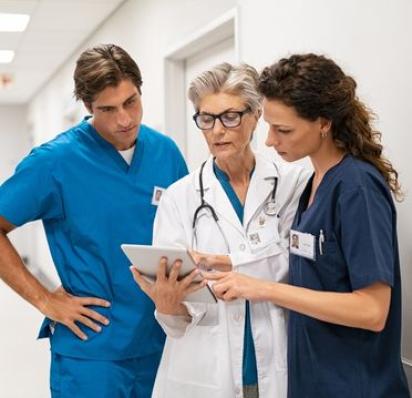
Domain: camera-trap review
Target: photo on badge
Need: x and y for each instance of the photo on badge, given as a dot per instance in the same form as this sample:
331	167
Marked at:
254	238
157	194
302	244
294	241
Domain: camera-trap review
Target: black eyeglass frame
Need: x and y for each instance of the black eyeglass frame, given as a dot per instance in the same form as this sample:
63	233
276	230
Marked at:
219	116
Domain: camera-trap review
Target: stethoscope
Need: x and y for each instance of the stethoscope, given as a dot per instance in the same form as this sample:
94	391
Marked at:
269	207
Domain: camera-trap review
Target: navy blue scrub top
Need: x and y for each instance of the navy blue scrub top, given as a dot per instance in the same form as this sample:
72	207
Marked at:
354	208
91	201
249	376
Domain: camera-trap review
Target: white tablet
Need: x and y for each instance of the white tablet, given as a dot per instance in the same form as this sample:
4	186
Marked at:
147	258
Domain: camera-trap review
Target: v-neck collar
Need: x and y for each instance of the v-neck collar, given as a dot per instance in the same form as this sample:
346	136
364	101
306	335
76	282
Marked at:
112	152
322	189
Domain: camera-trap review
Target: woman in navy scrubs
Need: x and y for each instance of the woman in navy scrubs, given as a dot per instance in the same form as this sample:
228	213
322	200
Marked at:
344	288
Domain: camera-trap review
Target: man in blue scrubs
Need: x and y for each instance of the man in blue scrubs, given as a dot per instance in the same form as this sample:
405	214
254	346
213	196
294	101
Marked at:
95	187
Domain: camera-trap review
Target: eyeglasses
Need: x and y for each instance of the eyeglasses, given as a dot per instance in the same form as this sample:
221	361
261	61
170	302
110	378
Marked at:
229	119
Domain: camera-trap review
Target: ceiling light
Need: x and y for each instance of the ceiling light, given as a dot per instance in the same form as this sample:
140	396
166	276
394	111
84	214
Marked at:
13	22
6	56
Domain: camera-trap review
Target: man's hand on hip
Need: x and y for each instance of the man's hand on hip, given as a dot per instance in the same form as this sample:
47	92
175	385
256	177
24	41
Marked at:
70	310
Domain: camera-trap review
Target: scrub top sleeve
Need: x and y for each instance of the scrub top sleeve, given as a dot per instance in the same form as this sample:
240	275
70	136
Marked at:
31	193
367	237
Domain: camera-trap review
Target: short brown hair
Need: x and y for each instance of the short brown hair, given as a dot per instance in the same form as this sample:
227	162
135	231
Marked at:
103	66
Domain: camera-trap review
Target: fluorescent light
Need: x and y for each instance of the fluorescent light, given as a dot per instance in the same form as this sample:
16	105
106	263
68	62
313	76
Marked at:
6	56
13	22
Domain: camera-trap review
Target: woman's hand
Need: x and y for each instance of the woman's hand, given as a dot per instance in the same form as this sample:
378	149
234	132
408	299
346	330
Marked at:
208	261
230	286
366	308
167	292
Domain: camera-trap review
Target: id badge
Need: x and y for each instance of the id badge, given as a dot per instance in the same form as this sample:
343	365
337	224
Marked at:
157	194
302	244
265	232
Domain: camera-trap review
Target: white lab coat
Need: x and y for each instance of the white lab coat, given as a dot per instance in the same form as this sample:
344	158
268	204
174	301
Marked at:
202	358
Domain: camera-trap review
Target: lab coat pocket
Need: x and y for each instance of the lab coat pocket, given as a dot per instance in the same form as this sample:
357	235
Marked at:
196	357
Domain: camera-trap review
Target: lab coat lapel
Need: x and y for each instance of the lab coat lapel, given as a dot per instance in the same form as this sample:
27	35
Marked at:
260	187
217	198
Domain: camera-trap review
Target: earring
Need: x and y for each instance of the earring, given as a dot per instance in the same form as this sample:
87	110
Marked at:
324	134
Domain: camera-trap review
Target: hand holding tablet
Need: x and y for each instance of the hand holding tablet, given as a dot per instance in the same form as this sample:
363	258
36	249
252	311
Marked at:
147	258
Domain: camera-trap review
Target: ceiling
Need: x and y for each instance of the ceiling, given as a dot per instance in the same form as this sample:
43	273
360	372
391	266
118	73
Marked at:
56	29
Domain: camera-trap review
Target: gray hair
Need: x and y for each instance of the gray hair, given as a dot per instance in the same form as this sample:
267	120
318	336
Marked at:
241	80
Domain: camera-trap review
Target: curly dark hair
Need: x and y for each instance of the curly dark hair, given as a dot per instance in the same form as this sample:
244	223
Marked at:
315	86
102	66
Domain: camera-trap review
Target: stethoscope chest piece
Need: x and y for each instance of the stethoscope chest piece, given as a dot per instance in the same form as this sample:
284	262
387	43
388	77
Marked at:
270	208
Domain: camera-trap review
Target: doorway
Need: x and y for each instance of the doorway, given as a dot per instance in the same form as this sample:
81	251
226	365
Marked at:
213	44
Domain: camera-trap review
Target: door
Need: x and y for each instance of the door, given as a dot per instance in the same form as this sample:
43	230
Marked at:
196	148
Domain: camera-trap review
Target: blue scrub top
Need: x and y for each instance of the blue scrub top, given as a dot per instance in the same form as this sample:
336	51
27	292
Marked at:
91	201
249	376
354	209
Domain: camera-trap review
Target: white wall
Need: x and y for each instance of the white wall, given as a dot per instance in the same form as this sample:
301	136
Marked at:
15	143
14	138
19	321
370	39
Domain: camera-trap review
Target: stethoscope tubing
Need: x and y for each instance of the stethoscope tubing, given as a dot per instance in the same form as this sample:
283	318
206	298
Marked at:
269	207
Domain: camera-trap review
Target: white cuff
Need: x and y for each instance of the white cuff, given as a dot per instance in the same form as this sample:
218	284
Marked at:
173	325
177	326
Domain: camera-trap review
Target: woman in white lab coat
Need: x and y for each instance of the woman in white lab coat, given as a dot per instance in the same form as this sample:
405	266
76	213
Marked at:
235	349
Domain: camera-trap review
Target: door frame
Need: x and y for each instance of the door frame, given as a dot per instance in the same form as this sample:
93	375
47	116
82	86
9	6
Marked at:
222	28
